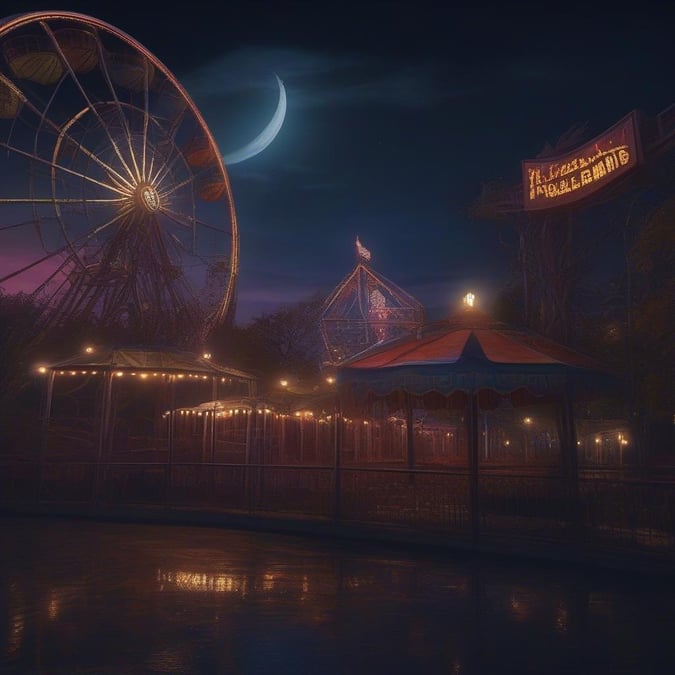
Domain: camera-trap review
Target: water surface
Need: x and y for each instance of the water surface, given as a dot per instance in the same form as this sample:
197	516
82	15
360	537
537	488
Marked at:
99	597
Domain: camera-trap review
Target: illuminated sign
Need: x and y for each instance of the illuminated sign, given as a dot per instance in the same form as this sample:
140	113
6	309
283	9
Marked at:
561	180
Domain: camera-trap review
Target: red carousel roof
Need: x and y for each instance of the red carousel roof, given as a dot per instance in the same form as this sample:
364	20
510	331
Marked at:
468	351
451	341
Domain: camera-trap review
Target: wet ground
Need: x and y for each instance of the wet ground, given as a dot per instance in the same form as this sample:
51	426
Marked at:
99	597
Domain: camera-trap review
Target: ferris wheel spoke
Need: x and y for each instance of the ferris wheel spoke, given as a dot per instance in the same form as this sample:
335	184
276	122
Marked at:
59	270
80	241
191	221
173	188
63	132
162	175
179	219
146	122
64	135
85	238
122	117
33	264
194	221
88	101
14	226
58	200
60	167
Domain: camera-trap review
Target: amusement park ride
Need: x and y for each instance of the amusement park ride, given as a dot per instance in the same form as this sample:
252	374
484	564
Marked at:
115	206
364	309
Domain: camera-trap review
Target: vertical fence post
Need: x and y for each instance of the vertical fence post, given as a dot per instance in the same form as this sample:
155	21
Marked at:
103	434
569	459
46	415
172	433
473	434
248	483
410	437
337	446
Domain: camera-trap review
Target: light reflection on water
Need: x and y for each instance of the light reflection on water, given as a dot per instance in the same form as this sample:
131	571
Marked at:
86	597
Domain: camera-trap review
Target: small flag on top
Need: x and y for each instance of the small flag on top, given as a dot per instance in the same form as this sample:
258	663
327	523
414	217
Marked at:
362	252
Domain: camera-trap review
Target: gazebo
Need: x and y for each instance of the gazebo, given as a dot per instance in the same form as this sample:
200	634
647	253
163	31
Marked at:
473	393
113	413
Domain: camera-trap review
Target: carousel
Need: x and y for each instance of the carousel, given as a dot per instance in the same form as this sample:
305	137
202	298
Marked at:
471	397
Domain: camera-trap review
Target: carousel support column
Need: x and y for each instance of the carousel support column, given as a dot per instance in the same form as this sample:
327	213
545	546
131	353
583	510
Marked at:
410	438
206	438
212	454
258	446
302	439
263	446
46	415
212	437
338	432
473	433
103	434
168	490
248	483
569	456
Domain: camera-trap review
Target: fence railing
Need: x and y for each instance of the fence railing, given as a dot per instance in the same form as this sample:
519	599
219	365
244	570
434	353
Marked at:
614	512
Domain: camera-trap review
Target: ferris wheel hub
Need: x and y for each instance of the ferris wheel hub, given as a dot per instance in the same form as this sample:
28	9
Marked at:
147	197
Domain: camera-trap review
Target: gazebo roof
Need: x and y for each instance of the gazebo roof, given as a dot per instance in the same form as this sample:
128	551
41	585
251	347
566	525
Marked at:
467	352
144	359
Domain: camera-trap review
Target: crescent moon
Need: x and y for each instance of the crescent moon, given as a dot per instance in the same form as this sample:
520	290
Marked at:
266	136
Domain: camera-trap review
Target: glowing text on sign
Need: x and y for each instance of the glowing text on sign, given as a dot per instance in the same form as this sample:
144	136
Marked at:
560	180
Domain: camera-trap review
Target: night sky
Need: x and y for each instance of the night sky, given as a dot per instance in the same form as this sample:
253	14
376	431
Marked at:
397	113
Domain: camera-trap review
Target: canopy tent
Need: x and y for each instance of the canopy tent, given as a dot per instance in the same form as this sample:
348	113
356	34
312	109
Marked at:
125	402
163	361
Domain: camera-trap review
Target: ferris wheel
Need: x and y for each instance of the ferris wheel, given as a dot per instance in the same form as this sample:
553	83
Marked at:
115	205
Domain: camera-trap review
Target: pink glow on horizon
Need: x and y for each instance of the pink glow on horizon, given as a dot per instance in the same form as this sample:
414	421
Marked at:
28	281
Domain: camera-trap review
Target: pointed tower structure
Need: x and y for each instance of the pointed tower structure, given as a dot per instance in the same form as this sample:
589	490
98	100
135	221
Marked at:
364	309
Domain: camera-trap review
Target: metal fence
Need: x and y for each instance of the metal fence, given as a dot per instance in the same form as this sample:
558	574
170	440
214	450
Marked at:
617	514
